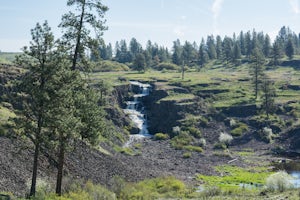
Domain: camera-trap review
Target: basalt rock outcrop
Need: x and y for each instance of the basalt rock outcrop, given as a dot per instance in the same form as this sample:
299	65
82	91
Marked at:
163	115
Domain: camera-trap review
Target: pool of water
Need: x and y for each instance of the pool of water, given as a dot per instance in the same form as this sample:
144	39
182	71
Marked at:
292	168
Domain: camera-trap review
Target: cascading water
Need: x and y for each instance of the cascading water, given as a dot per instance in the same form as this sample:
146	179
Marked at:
136	112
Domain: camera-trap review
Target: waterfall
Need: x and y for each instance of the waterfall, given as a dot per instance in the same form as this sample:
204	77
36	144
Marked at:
136	111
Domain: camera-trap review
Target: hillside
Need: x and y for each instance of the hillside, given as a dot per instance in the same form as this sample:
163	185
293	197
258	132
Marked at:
214	100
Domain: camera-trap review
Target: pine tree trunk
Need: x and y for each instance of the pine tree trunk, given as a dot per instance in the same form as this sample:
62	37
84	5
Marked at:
75	57
36	157
34	170
61	158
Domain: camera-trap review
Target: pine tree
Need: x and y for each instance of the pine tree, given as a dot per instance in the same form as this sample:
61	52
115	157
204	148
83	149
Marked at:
268	96
211	47
242	43
256	70
188	53
248	44
276	53
219	47
289	49
237	51
77	38
228	49
203	55
35	87
267	46
134	48
139	62
76	28
177	53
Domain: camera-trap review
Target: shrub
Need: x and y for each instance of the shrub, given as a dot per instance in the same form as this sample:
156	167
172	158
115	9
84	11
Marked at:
107	66
220	145
181	140
193	148
158	188
117	185
266	134
202	142
279	181
203	121
187	155
176	130
225	138
212	191
43	187
77	191
125	150
194	132
239	129
232	123
161	136
166	66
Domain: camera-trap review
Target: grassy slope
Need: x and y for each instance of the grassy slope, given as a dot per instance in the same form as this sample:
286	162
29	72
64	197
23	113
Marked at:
234	79
7	57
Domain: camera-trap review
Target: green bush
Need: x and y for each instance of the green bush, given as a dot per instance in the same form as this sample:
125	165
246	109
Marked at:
193	131
193	148
86	191
161	136
239	129
117	185
109	66
187	155
220	145
158	188
166	66
125	150
204	122
181	140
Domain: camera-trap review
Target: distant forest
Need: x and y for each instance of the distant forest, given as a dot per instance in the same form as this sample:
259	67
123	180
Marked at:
228	49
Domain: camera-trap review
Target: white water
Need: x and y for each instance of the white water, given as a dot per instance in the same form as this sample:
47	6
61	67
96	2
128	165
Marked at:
136	112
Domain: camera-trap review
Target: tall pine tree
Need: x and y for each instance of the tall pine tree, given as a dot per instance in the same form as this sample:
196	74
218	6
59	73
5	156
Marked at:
35	87
77	34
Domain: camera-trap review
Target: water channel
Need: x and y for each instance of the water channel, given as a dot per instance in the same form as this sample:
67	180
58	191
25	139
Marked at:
137	112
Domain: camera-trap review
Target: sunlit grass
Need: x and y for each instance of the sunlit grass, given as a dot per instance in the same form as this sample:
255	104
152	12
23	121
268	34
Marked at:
235	177
229	86
178	97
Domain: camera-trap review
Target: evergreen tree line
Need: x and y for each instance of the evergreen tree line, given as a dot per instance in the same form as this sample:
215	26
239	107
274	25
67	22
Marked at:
227	49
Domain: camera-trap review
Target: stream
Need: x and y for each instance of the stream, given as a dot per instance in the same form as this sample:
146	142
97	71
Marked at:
137	112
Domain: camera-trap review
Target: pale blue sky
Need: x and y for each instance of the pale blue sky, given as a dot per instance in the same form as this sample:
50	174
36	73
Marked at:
161	21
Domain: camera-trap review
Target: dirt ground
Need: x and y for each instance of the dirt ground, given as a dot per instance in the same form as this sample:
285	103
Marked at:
152	159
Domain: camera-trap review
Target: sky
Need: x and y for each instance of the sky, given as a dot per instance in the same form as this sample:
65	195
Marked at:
161	21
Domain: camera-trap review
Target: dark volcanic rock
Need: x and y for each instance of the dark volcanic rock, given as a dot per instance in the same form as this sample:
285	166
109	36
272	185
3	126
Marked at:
163	116
83	162
240	111
294	87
